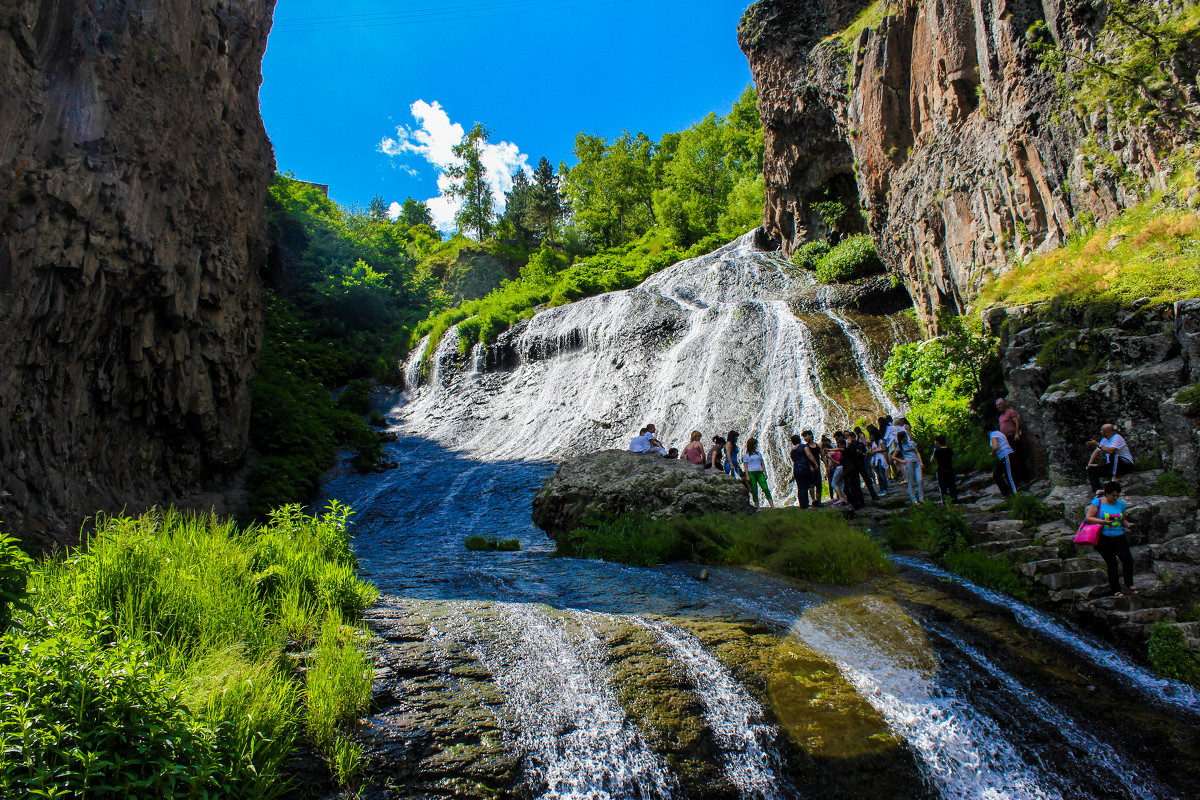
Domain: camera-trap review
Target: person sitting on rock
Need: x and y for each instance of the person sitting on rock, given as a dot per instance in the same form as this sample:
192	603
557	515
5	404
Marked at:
1110	458
693	451
672	453
716	454
639	444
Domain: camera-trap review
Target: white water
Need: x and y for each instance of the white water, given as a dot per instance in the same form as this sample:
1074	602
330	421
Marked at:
732	715
1171	693
708	344
883	655
579	743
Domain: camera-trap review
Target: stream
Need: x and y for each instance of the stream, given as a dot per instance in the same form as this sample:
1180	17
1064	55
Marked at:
924	686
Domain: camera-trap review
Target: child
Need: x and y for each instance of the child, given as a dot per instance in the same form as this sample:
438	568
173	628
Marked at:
944	456
756	473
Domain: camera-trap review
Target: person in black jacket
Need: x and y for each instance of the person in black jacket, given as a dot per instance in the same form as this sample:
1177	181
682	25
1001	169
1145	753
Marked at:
944	457
805	470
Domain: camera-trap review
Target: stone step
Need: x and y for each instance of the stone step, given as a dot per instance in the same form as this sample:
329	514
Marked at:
1046	566
1081	564
1057	581
1083	594
1034	553
1144	616
996	548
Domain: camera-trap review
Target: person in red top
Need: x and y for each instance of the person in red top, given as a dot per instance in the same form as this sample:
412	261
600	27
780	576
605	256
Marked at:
1010	426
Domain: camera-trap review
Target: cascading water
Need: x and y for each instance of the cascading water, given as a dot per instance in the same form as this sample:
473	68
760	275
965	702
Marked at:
710	343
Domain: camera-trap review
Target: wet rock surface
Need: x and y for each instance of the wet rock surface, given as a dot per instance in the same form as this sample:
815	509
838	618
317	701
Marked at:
135	167
616	482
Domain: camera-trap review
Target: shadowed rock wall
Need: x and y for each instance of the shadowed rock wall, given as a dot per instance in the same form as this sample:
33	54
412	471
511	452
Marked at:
133	170
964	152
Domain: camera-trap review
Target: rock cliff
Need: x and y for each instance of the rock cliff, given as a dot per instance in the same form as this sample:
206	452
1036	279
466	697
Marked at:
133	168
940	124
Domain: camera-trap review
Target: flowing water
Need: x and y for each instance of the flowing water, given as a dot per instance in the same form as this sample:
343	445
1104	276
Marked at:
583	679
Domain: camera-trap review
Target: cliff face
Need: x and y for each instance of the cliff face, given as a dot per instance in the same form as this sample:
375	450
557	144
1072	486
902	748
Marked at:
133	169
961	151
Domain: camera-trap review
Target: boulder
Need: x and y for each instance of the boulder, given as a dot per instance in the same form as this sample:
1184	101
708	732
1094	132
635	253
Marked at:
615	482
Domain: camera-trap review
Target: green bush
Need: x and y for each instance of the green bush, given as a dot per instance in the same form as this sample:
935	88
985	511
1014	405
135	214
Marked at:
356	397
853	257
14	573
1170	656
1173	485
492	544
809	254
150	664
813	545
930	526
1029	509
377	419
984	570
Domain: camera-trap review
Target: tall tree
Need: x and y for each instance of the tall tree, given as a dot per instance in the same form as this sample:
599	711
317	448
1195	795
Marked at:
611	188
469	183
415	212
547	206
518	210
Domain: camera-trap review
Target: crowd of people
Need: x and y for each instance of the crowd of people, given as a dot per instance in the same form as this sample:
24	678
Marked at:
878	458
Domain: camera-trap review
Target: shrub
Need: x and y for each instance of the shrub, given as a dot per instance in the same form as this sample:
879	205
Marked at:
492	544
1170	656
338	692
809	254
14	572
377	419
356	397
1029	509
935	527
984	570
853	257
813	545
1173	485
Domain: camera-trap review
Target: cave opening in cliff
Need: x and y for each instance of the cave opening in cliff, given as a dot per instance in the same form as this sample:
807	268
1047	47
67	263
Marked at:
831	210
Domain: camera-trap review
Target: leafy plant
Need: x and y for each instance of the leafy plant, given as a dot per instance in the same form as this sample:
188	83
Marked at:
853	257
1170	656
14	573
1173	485
809	254
1029	509
984	570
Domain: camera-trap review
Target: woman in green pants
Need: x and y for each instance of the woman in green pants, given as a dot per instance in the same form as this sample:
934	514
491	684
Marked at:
756	473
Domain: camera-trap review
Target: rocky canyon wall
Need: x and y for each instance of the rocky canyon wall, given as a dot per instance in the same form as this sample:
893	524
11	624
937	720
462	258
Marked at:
133	169
961	150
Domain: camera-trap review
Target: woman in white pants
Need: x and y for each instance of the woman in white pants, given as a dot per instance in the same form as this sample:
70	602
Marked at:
914	466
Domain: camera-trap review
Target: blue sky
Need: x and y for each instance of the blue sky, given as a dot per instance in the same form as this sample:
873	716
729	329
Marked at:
339	80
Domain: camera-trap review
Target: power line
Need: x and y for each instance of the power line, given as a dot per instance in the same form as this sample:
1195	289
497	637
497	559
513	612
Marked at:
430	16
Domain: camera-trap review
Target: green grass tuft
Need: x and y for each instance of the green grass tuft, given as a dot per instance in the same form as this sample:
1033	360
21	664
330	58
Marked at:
1170	656
1173	485
1029	509
812	545
984	570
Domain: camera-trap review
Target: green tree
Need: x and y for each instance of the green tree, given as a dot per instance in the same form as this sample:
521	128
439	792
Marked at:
469	183
611	188
517	221
547	206
414	212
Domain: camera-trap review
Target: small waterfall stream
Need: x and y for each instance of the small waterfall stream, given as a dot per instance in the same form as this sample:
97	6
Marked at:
606	681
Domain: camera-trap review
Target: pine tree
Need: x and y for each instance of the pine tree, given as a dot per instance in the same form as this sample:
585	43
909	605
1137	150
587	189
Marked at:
518	216
469	182
547	206
415	212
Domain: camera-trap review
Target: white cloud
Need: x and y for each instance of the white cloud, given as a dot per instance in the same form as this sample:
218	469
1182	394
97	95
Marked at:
434	139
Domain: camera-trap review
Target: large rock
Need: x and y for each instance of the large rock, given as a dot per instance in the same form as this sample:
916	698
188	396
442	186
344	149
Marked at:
134	167
941	124
614	482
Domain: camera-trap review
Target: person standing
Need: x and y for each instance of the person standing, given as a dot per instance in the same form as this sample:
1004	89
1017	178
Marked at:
814	453
1002	474
756	471
914	466
1009	424
716	453
833	465
862	457
943	456
879	460
731	455
1112	457
805	470
1108	511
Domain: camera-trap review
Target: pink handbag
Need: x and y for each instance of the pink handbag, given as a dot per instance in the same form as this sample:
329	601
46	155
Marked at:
1087	534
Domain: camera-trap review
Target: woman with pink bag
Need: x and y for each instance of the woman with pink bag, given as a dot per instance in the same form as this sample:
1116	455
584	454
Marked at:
1108	511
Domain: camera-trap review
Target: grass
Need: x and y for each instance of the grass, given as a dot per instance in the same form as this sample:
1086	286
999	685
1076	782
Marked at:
811	545
1029	509
1173	485
160	660
869	17
1170	656
929	526
492	544
984	570
1150	252
1189	395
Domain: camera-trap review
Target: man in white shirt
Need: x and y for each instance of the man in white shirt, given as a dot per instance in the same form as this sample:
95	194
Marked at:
640	443
1110	458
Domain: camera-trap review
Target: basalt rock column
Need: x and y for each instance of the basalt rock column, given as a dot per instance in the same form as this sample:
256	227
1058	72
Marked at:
133	169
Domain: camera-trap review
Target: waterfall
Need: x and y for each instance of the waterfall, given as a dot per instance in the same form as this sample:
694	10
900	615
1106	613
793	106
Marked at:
708	344
734	717
579	742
